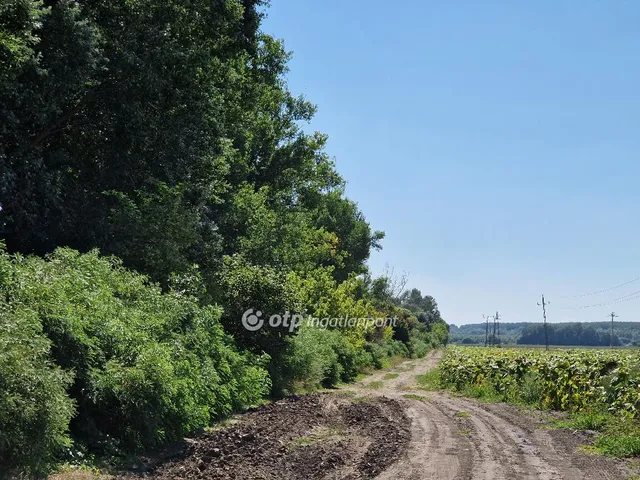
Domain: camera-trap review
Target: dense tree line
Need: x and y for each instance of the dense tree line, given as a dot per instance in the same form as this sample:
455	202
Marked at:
566	333
155	183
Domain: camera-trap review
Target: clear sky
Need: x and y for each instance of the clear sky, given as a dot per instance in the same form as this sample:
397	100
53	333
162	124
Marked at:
496	143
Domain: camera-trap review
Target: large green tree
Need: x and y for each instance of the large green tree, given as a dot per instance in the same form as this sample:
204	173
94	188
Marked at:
164	132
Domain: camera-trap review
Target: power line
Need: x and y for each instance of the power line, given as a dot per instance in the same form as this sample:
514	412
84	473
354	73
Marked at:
625	298
602	291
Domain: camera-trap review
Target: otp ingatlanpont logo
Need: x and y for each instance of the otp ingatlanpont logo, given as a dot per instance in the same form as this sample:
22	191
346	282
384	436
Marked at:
252	321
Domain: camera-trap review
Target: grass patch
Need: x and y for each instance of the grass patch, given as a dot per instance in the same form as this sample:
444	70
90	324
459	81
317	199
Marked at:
79	475
619	437
406	368
397	360
374	385
585	421
618	445
349	393
430	380
361	399
319	434
413	396
390	376
462	415
483	392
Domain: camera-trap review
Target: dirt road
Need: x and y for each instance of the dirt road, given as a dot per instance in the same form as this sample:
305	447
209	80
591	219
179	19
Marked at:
457	438
385	427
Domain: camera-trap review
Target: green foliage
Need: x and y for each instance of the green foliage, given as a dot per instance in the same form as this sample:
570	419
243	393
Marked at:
147	367
618	445
374	385
18	27
313	358
378	355
571	380
210	158
430	380
529	390
241	286
418	346
34	408
439	334
566	334
587	420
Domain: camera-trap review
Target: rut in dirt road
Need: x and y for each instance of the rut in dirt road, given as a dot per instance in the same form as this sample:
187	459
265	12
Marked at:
457	438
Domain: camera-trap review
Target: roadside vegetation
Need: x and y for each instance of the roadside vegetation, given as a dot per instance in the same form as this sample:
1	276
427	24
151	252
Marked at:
599	388
156	183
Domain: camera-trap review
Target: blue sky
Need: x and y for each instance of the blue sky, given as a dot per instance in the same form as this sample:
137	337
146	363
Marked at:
496	143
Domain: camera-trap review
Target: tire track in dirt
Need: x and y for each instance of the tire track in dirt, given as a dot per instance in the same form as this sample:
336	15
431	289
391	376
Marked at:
436	449
555	445
459	438
511	453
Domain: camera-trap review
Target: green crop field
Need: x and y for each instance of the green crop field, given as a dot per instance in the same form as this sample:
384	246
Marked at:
562	379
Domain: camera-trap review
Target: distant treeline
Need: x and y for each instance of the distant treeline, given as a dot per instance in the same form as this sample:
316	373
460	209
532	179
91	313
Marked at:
530	333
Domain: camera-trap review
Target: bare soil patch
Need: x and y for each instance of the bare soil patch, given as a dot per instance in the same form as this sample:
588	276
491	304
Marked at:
301	437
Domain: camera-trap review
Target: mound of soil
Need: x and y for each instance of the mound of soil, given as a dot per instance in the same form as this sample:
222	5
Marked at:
300	437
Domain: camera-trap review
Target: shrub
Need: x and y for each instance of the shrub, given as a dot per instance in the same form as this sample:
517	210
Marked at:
419	344
531	389
352	360
312	358
148	367
396	348
242	286
320	357
34	408
378	355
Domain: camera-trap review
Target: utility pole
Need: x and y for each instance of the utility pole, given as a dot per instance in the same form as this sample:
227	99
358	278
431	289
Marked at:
498	324
613	315
486	330
544	316
493	339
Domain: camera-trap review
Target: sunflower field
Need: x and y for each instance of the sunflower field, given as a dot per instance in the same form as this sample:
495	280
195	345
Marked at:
572	380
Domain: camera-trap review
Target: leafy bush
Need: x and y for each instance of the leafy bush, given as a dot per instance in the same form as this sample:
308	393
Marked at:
439	334
378	355
243	286
396	348
419	344
34	408
321	357
353	360
148	367
530	389
313	358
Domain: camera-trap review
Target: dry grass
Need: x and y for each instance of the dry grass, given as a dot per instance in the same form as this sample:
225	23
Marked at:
79	475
